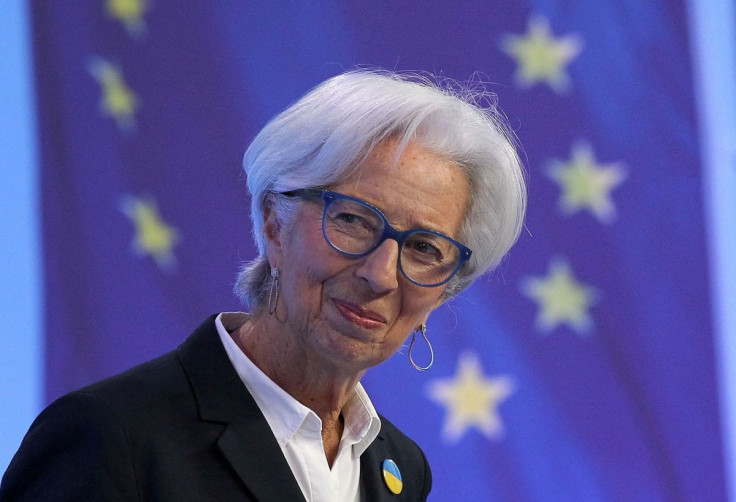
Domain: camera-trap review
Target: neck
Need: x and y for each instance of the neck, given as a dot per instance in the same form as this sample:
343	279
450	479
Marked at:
324	388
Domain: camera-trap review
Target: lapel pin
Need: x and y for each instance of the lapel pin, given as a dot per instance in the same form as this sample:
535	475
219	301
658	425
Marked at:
392	476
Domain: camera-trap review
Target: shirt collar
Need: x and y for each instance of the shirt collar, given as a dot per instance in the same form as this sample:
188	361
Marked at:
362	423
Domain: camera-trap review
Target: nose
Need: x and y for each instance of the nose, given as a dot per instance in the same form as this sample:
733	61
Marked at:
380	268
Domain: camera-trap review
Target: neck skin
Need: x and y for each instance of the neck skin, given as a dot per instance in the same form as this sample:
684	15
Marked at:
323	389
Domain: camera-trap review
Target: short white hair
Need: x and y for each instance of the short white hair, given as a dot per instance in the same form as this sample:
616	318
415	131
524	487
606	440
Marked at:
322	138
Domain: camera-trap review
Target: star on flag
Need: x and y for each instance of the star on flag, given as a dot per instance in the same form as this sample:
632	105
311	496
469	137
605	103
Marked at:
153	236
117	101
130	13
540	57
585	184
561	299
471	399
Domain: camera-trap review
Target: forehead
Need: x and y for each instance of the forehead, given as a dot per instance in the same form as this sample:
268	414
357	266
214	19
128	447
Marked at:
416	189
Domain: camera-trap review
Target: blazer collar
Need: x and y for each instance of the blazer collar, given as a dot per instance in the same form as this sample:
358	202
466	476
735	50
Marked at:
371	475
247	441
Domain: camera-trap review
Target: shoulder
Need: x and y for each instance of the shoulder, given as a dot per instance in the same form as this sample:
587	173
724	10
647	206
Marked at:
144	387
161	383
101	414
101	410
112	436
394	436
63	450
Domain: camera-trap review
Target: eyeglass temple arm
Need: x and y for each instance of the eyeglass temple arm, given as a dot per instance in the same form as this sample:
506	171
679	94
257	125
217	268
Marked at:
305	193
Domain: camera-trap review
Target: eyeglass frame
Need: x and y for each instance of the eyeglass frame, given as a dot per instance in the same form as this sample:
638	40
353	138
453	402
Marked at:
389	232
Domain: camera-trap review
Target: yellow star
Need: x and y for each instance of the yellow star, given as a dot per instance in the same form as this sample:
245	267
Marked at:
118	101
561	299
471	399
130	13
153	235
587	185
541	57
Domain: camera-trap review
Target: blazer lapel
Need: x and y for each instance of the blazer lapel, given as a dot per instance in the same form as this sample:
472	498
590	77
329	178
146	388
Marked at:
255	455
247	441
371	474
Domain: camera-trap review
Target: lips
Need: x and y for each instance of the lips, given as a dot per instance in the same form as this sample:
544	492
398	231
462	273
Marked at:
359	316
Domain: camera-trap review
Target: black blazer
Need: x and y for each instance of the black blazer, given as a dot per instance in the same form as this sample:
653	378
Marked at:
182	427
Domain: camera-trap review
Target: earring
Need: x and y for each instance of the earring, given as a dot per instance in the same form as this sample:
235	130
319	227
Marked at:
273	291
423	330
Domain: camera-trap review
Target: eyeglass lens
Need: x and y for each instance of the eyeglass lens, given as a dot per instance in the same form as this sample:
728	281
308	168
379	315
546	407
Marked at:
355	228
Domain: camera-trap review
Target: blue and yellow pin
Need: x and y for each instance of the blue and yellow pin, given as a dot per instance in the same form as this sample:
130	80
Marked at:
392	476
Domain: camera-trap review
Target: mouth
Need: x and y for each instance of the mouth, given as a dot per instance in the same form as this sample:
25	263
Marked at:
361	317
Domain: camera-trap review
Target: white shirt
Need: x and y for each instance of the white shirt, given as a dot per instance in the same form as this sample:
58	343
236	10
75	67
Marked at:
298	429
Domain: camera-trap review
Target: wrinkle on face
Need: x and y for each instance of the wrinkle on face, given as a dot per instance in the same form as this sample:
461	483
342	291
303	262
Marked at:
420	190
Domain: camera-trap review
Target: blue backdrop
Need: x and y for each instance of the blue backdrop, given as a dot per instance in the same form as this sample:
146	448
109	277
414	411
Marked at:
584	369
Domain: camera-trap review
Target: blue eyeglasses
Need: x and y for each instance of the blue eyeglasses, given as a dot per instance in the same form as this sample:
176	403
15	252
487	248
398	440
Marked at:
355	228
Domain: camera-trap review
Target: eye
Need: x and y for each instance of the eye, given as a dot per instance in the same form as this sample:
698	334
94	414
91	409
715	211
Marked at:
355	218
424	247
347	217
351	221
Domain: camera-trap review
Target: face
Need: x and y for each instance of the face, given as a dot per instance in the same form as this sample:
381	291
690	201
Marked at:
353	313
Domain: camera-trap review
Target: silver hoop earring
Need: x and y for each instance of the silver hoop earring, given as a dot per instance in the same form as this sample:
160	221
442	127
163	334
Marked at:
423	330
273	291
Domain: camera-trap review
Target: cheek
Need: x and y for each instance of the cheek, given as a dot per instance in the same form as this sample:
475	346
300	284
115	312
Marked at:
313	264
319	264
305	250
416	306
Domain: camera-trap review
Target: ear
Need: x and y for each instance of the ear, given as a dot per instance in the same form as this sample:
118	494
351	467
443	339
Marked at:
442	299
272	231
439	302
436	304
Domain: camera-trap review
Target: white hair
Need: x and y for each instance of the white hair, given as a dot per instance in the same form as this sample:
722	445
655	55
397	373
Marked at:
323	138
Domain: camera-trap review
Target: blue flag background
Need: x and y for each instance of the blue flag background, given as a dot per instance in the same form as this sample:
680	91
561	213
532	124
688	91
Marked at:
583	369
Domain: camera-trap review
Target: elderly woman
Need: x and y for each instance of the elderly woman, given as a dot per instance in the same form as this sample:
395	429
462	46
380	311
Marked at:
375	198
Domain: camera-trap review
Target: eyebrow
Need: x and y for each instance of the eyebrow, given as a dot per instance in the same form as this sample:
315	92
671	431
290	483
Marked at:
409	217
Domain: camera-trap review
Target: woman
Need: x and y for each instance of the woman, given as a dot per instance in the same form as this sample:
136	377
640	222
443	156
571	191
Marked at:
375	198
